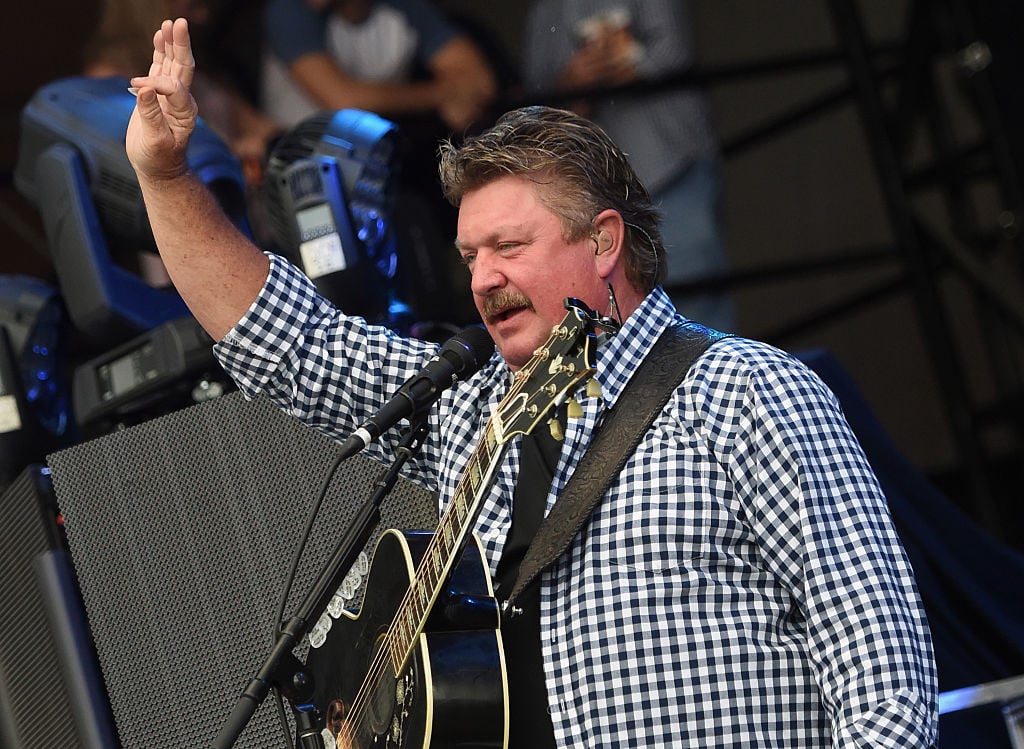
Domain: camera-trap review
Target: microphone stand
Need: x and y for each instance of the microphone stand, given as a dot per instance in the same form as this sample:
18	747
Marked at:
282	670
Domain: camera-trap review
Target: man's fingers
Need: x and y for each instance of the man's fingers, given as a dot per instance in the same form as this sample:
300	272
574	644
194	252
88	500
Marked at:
148	107
164	46
173	67
147	104
162	84
183	64
172	52
156	67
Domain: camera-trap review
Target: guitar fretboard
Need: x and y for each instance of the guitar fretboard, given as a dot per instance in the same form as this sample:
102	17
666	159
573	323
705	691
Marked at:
449	537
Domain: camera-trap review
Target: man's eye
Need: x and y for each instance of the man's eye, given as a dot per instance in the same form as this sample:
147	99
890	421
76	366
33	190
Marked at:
467	259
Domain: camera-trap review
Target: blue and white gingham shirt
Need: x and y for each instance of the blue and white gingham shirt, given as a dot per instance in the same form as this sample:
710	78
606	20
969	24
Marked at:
741	583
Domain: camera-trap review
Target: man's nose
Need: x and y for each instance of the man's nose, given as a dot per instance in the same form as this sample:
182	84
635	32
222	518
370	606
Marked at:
487	274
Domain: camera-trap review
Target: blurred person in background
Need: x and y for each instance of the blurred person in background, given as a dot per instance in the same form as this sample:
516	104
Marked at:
365	54
407	62
120	47
667	134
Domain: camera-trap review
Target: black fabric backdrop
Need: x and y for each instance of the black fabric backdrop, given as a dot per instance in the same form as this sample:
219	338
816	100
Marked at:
971	584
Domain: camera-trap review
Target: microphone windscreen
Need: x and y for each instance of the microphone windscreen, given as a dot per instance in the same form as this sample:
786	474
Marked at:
477	342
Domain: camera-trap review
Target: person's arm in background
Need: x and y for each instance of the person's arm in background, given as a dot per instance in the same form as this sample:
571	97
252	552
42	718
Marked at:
214	267
608	49
466	83
462	85
664	39
564	52
244	128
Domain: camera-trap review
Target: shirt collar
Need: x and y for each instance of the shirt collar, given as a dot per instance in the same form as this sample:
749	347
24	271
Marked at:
619	357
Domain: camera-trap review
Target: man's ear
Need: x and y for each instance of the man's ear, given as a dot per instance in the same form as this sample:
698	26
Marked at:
608	240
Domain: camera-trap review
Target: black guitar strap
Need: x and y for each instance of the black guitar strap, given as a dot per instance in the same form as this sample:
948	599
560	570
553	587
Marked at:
644	397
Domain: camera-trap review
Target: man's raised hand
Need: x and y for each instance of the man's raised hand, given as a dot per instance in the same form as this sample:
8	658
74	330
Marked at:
165	111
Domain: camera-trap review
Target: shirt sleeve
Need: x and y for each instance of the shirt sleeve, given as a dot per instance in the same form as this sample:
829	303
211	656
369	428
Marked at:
333	371
292	29
824	530
662	29
326	368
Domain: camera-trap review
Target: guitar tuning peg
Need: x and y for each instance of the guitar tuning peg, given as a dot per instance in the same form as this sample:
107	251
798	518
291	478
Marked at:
555	427
573	409
593	388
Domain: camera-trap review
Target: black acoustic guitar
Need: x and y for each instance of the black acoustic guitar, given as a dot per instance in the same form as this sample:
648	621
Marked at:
421	663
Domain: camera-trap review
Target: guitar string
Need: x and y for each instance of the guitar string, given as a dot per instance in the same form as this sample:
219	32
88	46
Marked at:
487	439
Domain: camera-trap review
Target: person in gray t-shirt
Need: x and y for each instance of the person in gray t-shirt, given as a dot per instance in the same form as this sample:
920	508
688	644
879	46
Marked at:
667	134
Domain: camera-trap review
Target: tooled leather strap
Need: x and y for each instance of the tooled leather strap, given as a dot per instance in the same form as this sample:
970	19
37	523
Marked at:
644	397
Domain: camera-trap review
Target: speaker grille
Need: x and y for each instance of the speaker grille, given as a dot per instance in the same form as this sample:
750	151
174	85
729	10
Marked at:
35	709
182	530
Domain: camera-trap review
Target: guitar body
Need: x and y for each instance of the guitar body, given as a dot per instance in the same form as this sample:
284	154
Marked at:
452	690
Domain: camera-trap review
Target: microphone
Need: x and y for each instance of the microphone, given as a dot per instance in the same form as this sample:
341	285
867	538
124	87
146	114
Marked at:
461	356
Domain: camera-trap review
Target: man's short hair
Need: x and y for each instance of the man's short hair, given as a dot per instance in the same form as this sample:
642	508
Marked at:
579	172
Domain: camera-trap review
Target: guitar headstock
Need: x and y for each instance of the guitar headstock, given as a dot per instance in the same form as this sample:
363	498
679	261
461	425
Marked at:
560	365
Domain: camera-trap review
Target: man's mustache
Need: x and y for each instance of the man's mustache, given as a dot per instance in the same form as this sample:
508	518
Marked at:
502	301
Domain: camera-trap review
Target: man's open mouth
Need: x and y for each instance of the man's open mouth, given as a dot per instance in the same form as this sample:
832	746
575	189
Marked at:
507	313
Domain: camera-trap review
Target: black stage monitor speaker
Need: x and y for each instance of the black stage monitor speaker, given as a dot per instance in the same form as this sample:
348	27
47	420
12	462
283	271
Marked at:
182	530
50	691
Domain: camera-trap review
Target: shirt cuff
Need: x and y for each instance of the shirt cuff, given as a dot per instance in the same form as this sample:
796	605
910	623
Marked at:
900	722
264	336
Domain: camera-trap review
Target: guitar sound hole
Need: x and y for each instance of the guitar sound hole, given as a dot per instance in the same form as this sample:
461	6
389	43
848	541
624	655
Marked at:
382	697
382	705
